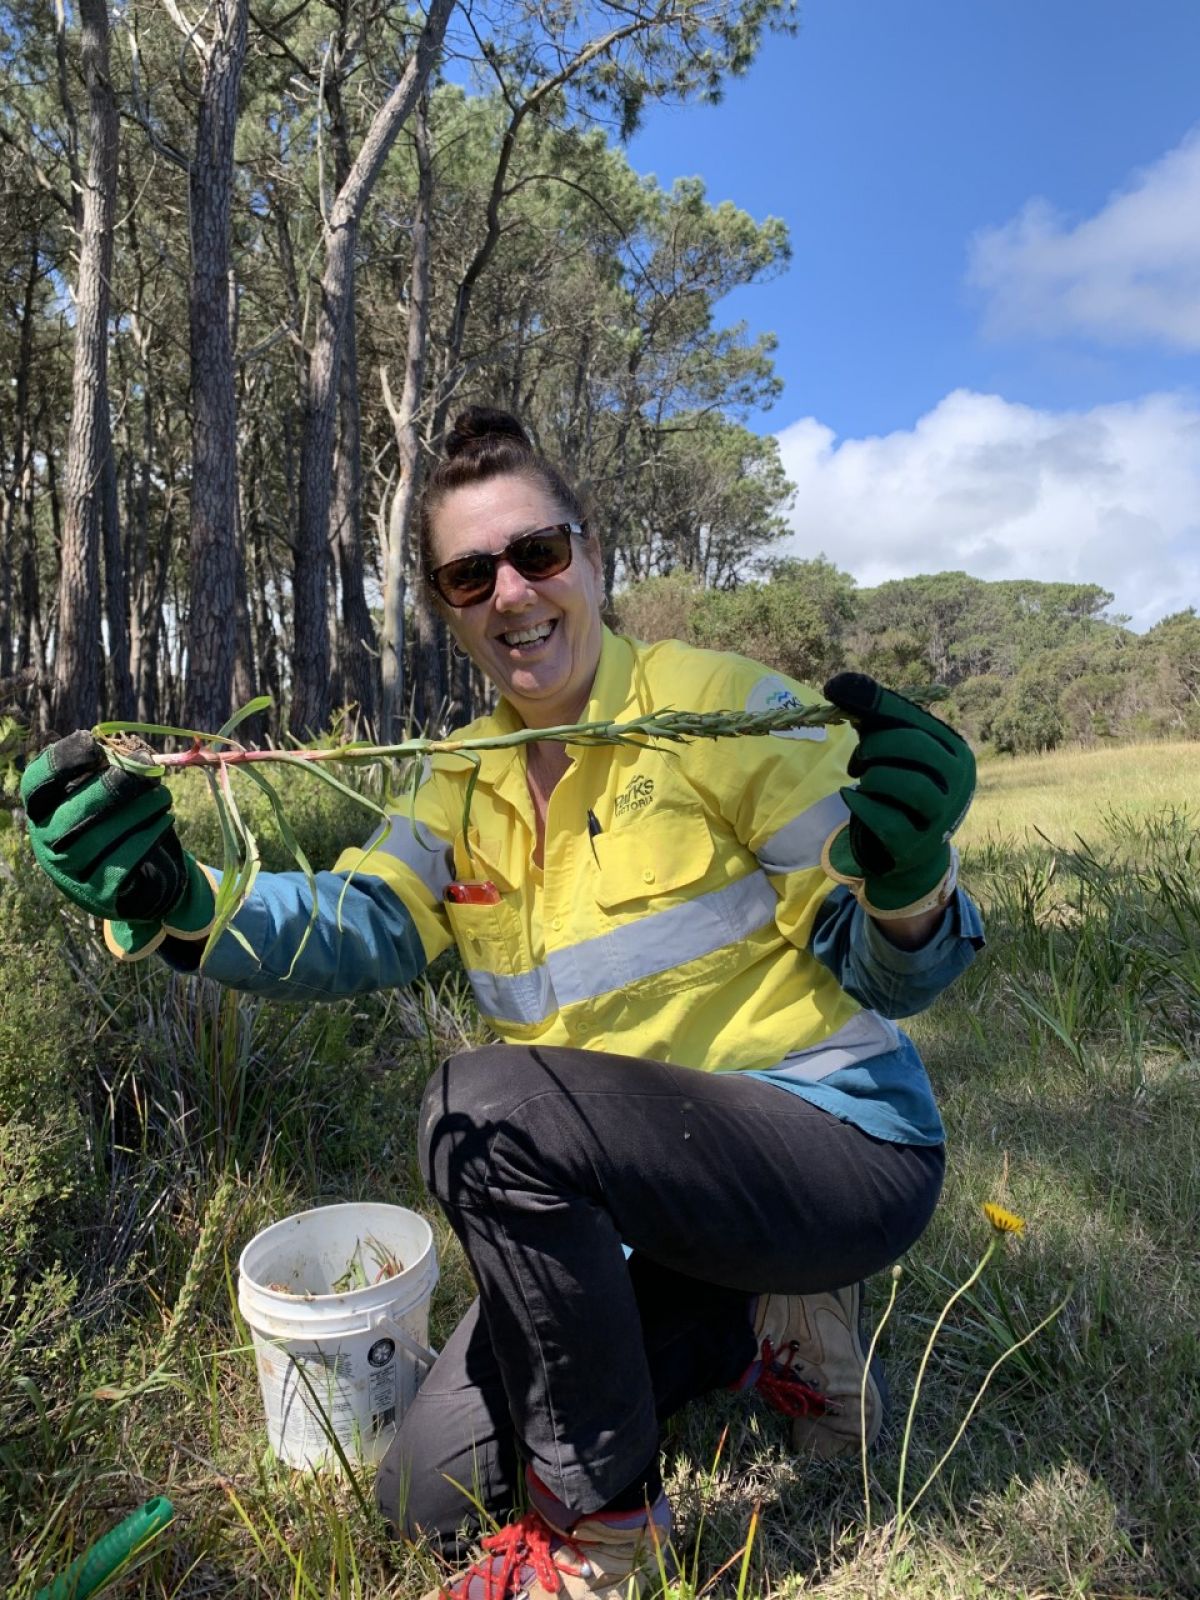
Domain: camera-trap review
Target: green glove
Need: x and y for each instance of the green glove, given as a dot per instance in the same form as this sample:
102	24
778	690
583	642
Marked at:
106	838
916	778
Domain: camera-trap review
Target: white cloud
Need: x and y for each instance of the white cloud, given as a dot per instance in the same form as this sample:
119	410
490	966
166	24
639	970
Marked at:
1128	274
1108	496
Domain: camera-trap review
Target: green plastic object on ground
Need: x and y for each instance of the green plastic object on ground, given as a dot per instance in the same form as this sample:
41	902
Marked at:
95	1566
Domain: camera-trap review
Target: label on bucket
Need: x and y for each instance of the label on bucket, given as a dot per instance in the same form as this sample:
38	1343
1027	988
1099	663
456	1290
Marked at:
318	1393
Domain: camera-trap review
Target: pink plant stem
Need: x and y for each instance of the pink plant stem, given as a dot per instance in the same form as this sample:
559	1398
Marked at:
204	756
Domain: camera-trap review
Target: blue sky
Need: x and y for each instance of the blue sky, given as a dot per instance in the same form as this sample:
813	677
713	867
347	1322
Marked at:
993	310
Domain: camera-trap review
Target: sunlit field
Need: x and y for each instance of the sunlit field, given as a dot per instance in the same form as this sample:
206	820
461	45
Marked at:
155	1126
1069	791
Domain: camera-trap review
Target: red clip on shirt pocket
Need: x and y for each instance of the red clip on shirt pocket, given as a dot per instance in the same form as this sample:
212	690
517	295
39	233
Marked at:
478	893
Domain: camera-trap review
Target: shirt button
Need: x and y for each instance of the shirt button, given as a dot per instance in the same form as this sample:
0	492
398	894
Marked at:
648	875
556	924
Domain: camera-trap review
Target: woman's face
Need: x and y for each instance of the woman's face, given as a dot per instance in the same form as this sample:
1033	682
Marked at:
537	640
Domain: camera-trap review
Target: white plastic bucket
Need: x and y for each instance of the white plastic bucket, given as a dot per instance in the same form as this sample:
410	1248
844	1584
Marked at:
338	1365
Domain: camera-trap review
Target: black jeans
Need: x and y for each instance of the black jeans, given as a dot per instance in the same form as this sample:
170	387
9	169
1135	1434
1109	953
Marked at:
545	1161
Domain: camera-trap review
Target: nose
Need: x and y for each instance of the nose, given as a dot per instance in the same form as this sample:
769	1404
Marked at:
512	590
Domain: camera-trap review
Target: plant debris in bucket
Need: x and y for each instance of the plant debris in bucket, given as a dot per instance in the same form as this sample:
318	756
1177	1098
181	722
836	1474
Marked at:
385	1262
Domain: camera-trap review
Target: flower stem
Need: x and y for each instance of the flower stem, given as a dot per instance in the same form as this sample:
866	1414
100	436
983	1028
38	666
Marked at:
969	1283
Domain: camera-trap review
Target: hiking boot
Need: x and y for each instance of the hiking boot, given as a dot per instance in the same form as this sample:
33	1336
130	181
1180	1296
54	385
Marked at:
812	1354
607	1555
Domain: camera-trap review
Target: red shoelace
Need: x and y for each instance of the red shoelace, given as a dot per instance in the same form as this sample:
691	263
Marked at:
784	1390
524	1543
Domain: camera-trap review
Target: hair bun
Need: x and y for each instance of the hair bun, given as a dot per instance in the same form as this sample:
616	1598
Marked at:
478	426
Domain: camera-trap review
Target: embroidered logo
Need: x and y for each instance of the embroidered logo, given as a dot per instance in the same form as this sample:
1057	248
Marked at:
772	694
636	795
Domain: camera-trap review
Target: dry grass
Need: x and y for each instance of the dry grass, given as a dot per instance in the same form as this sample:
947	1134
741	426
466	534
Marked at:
1071	791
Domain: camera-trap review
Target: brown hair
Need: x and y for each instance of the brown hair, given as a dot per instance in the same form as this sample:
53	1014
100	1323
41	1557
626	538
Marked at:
485	443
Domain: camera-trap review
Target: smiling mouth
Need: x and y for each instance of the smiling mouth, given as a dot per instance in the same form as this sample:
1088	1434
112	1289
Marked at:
523	639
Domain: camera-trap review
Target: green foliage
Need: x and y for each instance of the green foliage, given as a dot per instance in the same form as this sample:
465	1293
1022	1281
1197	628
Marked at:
1030	665
1029	718
795	623
43	1067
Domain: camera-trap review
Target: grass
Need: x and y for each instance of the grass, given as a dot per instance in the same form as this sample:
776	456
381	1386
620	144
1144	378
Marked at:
1066	1065
1058	792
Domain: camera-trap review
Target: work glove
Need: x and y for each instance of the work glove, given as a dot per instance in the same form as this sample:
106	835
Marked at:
916	778
107	839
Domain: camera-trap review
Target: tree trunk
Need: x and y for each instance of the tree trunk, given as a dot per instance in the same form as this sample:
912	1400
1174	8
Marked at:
213	556
310	703
22	465
408	446
116	595
430	690
358	650
31	644
266	631
78	661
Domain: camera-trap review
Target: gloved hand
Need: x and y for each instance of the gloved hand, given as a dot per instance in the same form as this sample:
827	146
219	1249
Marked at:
916	778
107	839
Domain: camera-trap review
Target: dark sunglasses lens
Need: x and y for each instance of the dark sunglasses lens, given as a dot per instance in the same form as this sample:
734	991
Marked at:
541	555
535	555
462	582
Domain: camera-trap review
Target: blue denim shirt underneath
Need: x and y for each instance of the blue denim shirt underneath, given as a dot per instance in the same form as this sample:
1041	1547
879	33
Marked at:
888	1096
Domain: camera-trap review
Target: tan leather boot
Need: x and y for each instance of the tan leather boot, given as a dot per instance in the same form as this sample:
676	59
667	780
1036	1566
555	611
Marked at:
816	1341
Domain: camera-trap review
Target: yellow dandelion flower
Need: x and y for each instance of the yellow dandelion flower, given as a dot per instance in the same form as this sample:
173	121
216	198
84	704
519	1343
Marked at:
1003	1221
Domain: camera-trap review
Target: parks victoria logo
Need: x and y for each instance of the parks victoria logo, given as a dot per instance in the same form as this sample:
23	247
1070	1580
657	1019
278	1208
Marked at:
773	694
636	795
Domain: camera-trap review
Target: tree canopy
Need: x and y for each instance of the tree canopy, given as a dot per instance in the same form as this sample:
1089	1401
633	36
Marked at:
1030	665
250	268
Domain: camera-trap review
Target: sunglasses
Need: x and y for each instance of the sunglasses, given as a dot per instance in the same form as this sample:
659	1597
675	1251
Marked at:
542	554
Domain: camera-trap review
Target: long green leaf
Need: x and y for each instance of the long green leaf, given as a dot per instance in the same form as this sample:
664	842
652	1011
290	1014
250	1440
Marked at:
239	868
476	766
131	763
326	776
353	794
107	730
292	843
260	702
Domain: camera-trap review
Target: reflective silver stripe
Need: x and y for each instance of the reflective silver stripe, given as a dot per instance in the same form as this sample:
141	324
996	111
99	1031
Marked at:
429	856
654	943
526	998
797	846
864	1036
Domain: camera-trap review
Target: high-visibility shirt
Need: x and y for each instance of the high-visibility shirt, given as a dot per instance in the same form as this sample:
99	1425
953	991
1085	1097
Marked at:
680	913
672	914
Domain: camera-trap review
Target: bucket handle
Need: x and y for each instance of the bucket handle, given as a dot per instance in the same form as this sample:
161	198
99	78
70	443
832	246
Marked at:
415	1349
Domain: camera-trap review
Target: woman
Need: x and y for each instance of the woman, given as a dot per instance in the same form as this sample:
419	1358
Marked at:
698	1071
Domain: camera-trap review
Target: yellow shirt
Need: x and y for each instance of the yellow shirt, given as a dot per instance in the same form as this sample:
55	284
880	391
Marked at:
679	886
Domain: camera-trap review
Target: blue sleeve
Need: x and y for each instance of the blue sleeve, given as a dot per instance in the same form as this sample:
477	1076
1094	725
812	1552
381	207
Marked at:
881	976
361	938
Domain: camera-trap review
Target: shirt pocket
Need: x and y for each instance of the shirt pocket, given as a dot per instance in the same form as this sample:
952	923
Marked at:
641	864
489	938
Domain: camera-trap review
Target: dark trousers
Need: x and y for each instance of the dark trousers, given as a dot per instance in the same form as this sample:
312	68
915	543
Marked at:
545	1161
